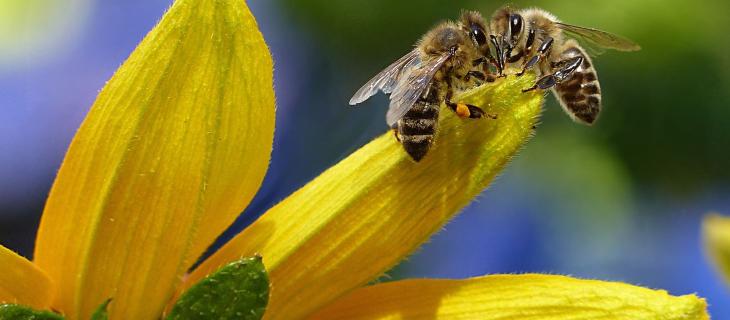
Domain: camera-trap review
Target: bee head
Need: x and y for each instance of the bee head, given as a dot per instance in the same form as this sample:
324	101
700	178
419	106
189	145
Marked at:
508	25
500	22
473	23
443	39
515	28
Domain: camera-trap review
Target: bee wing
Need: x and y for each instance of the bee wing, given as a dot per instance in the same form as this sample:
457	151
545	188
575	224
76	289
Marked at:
411	86
386	79
600	38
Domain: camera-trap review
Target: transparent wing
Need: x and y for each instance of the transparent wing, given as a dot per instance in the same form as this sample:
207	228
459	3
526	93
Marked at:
591	48
599	38
411	86
385	80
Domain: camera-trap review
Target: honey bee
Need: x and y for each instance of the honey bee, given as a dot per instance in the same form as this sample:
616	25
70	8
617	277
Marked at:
536	38
450	57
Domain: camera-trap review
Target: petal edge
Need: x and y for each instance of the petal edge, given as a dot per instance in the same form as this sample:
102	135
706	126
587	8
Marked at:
529	296
22	282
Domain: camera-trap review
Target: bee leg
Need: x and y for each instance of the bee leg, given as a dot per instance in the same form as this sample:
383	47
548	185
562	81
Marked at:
479	61
482	71
395	132
515	58
476	74
543	83
564	73
476	112
464	110
506	51
542	52
524	53
499	61
528	47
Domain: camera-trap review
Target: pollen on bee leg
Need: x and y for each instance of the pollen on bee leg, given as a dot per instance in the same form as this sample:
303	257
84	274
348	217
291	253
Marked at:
462	110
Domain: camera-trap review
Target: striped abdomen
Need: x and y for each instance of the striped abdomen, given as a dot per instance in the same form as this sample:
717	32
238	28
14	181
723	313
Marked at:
580	95
417	128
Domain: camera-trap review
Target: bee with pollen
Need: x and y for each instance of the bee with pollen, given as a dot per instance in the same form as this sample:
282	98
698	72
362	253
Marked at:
455	56
447	58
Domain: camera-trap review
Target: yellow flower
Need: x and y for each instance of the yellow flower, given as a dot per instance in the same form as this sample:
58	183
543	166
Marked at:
716	236
178	142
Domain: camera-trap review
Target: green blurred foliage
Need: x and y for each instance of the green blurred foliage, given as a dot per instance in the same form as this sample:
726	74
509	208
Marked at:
666	108
373	29
566	184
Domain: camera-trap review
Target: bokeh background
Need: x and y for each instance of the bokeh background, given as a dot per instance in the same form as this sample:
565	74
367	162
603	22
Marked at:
622	200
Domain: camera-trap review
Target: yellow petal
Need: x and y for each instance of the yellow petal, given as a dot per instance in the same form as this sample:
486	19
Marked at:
716	234
22	282
362	216
173	149
529	296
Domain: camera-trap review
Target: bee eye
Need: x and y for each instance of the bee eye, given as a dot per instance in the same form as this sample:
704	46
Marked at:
515	26
478	34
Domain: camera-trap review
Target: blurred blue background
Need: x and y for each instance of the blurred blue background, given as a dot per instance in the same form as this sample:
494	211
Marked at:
622	200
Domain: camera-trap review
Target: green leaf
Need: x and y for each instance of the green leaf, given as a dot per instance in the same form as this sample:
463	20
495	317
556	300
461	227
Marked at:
18	312
101	313
238	290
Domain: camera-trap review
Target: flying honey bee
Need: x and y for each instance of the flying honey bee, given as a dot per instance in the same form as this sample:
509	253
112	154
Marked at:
536	38
449	57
